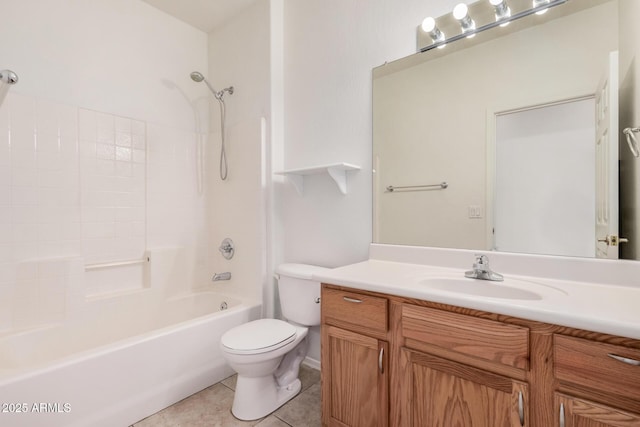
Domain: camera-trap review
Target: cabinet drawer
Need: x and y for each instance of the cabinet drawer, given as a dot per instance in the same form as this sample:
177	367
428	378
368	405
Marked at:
355	311
480	338
591	364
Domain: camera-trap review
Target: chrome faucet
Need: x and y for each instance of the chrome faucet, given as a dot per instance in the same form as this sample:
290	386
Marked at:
482	271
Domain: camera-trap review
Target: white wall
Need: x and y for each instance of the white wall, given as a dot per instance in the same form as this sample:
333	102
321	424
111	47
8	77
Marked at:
330	48
120	57
101	82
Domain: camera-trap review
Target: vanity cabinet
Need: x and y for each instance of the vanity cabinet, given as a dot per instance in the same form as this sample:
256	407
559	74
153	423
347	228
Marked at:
574	412
355	378
461	370
390	360
446	393
596	379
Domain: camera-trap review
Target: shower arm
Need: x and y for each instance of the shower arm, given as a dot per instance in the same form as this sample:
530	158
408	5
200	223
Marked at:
216	93
8	76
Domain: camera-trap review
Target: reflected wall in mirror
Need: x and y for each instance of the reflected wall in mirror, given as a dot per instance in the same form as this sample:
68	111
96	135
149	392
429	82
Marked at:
465	118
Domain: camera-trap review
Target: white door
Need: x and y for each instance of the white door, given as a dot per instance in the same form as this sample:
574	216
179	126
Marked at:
544	178
607	162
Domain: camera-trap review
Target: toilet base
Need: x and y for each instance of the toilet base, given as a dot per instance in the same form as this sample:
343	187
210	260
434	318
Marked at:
258	397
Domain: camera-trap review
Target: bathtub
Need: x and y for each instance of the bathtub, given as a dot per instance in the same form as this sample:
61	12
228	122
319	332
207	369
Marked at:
65	375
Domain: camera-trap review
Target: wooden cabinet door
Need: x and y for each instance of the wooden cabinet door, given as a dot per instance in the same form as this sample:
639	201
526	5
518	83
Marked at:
442	393
574	412
354	379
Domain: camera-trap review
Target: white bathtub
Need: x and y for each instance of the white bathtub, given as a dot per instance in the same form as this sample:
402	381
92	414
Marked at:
51	376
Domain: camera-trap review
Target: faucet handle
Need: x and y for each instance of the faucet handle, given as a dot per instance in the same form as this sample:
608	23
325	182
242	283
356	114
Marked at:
481	260
481	270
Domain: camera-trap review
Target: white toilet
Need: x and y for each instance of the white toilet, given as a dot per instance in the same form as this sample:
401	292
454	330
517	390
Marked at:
267	353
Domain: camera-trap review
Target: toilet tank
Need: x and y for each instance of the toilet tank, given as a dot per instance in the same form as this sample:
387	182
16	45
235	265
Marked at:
299	294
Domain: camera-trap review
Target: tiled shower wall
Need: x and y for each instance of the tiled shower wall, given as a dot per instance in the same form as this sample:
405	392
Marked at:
40	192
39	209
113	181
73	192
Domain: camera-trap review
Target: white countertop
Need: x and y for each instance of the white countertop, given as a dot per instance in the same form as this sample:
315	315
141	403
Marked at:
606	308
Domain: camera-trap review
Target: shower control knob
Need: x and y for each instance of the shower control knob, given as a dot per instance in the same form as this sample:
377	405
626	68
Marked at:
227	248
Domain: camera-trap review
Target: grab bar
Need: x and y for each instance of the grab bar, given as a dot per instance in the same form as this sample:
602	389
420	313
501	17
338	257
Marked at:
441	186
116	264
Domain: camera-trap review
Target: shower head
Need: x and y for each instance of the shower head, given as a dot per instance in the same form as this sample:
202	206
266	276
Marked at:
197	77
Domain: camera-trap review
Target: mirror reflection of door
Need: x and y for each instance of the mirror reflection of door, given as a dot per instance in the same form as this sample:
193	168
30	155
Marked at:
544	179
607	162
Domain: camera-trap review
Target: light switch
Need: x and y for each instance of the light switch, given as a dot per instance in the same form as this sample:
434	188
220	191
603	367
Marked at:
475	211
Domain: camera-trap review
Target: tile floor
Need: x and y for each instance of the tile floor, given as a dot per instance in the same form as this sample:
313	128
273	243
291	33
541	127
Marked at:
212	407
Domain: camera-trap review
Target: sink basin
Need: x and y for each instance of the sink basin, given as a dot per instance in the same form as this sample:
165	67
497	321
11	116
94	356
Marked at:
509	289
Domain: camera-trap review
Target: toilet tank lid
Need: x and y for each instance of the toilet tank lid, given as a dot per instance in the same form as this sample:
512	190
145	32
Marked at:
299	271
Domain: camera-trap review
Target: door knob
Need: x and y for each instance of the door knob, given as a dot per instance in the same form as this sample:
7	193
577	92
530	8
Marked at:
613	240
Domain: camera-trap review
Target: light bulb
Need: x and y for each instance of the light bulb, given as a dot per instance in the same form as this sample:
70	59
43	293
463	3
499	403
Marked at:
461	11
428	24
461	14
429	27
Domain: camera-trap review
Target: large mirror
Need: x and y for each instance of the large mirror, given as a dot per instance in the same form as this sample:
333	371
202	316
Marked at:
514	143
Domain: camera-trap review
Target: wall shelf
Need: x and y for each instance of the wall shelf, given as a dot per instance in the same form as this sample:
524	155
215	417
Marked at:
337	171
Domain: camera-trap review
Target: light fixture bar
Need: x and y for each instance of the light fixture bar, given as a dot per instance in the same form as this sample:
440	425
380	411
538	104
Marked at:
493	24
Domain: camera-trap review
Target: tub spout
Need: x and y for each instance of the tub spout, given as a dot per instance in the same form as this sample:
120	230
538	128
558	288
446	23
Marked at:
221	276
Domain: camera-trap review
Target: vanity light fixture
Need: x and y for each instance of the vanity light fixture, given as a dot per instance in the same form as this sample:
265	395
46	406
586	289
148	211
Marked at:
539	3
461	14
502	11
429	27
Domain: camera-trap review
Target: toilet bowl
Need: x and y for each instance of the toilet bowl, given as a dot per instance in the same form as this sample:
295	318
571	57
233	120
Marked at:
267	353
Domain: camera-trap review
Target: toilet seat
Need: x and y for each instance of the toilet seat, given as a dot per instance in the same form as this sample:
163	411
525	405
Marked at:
258	336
